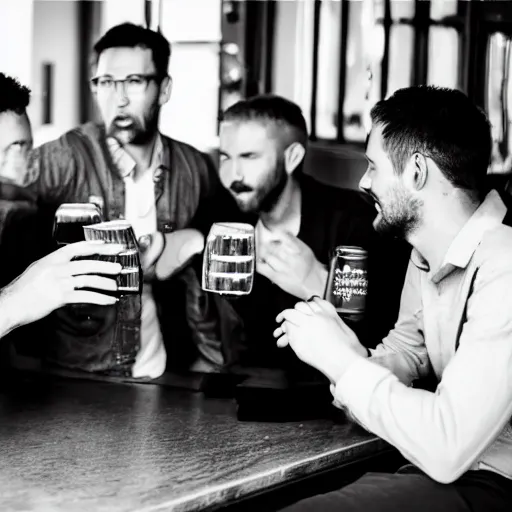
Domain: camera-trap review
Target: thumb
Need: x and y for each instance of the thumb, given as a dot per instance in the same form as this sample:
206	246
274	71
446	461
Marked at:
180	246
193	244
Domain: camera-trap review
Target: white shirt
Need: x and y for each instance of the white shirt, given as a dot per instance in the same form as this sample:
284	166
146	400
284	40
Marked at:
458	322
140	211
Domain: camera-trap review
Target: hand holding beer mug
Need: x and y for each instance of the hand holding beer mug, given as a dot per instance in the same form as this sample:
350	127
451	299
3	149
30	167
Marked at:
228	264
129	281
347	284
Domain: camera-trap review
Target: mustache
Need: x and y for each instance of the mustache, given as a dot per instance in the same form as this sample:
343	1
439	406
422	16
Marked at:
238	187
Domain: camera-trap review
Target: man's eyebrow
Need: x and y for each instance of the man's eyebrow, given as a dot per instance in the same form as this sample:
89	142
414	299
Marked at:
368	158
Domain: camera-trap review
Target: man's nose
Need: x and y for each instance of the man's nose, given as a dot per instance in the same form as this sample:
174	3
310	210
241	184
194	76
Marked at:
365	183
235	170
120	94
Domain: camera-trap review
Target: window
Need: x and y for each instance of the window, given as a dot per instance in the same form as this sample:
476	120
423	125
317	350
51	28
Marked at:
499	100
194	30
363	51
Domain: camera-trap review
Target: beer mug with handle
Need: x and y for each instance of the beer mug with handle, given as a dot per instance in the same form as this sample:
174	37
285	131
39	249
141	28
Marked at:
229	259
347	284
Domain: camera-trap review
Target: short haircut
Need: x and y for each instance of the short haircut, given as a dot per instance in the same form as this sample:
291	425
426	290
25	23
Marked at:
271	109
14	97
129	35
439	123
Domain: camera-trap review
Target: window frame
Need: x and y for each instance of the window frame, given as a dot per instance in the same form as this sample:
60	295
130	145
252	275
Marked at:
420	23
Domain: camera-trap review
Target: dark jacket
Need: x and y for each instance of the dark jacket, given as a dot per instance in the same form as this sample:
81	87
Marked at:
188	194
330	217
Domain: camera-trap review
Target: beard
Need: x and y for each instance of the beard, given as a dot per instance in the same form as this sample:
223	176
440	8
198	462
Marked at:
266	195
139	132
400	215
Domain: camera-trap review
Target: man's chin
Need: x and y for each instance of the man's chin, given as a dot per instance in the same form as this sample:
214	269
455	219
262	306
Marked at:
384	228
123	135
381	226
247	206
129	135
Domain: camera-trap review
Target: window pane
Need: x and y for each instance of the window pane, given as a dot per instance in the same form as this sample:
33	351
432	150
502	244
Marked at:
191	113
292	68
499	98
121	11
378	7
363	72
191	20
402	9
400	57
443	57
441	8
328	69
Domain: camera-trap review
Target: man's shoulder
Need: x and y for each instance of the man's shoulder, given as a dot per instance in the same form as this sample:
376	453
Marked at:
497	240
495	250
182	147
89	130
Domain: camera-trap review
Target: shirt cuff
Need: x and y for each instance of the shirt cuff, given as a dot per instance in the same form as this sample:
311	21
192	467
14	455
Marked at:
358	383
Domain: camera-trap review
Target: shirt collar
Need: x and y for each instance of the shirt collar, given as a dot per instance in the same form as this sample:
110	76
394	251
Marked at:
126	164
487	216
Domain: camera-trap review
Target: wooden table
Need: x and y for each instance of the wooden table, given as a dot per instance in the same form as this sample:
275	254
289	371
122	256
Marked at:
72	445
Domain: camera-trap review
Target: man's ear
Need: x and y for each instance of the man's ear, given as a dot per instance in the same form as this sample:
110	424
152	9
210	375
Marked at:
293	156
418	169
165	90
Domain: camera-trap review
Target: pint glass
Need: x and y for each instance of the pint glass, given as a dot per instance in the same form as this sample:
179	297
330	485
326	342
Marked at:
229	259
129	281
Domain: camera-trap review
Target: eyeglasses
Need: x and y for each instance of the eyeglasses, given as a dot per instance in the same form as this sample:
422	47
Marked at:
132	84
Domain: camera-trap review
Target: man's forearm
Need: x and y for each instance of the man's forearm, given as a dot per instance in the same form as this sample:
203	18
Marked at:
9	312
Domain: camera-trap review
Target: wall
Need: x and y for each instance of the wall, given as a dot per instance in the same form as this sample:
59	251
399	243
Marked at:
55	40
16	38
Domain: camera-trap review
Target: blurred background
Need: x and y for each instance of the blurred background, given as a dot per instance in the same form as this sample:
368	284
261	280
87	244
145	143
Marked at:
334	58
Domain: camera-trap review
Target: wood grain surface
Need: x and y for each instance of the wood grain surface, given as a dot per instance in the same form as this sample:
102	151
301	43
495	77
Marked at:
73	445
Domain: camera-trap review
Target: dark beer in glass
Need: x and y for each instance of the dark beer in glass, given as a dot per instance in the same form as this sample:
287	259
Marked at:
70	218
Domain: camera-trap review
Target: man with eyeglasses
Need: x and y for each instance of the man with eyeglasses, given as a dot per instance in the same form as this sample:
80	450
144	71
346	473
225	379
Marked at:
169	193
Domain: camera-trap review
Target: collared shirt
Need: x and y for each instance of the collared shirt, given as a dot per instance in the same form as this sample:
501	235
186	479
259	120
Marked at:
140	211
456	321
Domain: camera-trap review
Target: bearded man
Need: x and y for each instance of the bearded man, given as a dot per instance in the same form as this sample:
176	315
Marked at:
166	189
299	222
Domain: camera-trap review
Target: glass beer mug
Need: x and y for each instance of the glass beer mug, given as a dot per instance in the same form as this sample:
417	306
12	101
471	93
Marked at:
347	284
70	218
229	259
129	281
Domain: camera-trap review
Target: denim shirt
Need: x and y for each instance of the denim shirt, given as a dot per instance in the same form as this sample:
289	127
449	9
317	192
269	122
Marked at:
78	167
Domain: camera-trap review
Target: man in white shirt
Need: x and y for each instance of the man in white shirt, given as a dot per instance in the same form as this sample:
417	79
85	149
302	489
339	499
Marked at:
428	154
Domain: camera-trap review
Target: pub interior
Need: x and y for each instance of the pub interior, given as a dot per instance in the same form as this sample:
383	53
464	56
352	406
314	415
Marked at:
175	394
